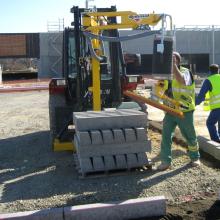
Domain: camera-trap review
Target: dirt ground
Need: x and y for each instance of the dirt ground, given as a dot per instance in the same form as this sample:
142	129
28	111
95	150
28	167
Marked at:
33	177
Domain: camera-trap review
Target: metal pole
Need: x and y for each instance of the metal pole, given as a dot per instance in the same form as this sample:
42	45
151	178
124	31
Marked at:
87	3
213	44
1	70
174	38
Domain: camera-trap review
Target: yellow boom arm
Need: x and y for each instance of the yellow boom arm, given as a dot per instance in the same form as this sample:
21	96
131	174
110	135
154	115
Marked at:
95	22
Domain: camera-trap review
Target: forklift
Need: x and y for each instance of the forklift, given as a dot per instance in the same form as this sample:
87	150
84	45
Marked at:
94	71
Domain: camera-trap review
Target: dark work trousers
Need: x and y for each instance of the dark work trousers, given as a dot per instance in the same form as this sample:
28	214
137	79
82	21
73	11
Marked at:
213	124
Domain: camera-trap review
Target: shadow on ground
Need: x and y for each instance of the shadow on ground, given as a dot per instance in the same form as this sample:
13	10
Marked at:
31	170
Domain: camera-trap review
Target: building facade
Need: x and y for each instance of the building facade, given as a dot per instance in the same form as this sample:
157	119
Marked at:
199	47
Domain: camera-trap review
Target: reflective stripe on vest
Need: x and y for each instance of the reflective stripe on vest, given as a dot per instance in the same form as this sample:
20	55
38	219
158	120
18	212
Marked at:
180	90
212	98
184	94
193	148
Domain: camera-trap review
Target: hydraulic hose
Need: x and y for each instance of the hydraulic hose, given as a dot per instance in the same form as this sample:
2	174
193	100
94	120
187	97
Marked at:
121	38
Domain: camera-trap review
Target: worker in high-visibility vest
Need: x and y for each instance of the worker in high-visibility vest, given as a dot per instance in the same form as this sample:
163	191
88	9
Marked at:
182	89
210	94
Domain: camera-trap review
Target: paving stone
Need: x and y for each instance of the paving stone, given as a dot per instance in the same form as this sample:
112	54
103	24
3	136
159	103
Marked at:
129	209
76	144
141	134
121	161
85	164
83	137
104	138
132	160
142	159
113	149
109	162
96	137
130	135
118	135
107	136
98	164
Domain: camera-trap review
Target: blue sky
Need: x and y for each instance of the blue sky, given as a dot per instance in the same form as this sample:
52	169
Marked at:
33	15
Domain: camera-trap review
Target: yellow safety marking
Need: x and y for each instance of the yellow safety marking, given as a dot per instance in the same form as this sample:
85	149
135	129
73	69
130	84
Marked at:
193	148
63	146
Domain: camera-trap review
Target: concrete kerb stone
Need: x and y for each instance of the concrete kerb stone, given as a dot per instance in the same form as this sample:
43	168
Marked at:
107	136
209	146
118	136
112	149
104	120
45	214
134	208
96	137
141	134
130	135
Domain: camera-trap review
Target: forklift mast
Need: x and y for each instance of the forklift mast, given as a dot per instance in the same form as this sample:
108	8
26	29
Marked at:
77	64
94	71
97	79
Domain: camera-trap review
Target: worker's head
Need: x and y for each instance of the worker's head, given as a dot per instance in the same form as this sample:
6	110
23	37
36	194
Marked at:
214	68
177	56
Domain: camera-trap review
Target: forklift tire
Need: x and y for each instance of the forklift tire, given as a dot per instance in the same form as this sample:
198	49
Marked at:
54	102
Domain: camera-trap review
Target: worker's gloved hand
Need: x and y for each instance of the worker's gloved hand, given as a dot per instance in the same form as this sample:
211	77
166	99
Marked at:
160	83
163	84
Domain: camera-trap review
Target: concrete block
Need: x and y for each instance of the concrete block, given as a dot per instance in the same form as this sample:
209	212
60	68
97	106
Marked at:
96	137
130	135
132	160
45	214
76	143
85	164
93	120
107	136
83	137
141	134
118	135
98	164
128	209
109	162
121	161
142	159
113	149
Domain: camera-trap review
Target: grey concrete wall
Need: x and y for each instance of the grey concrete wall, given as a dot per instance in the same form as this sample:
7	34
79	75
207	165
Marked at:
140	46
187	42
50	64
193	42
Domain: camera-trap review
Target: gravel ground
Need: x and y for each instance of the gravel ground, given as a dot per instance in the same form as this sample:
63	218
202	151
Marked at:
33	177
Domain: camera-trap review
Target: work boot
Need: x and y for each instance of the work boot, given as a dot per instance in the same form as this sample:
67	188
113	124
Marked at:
195	163
163	166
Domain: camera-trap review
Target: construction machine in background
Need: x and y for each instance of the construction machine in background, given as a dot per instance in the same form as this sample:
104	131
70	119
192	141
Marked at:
90	112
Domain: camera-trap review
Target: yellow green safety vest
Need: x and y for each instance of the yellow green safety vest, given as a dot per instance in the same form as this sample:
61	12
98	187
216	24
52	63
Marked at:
212	98
184	94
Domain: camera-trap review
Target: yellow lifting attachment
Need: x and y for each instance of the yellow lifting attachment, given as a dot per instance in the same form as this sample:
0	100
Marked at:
96	22
159	99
